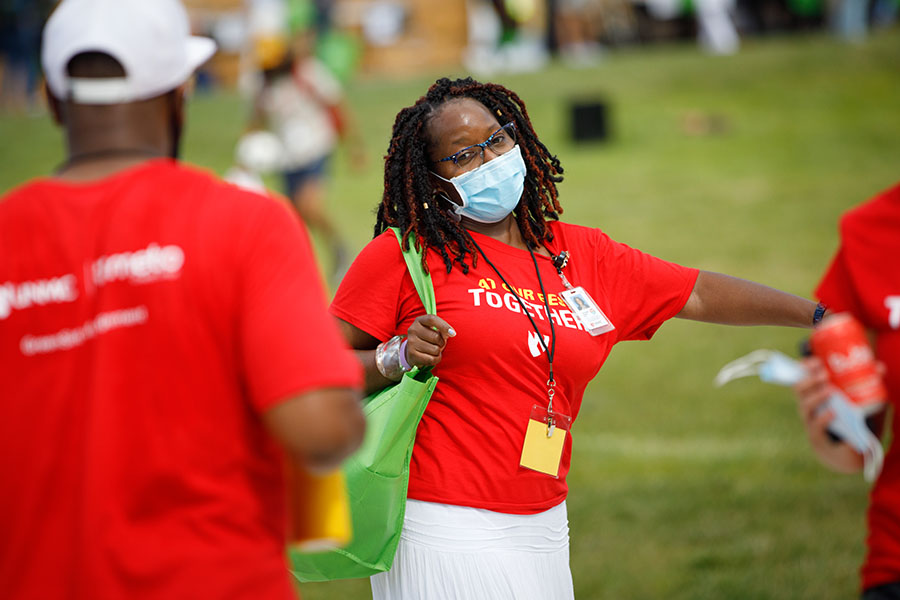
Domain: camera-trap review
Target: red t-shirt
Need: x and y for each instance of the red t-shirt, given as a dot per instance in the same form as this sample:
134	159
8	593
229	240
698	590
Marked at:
469	441
146	320
864	279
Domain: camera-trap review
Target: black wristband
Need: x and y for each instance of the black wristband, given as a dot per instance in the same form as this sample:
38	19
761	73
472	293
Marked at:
819	313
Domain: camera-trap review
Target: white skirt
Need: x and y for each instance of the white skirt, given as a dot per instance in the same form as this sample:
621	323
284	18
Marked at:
461	553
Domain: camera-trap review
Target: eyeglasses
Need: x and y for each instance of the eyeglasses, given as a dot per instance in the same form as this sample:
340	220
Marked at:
500	142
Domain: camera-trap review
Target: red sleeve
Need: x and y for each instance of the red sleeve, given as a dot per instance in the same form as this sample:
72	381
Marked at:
645	291
374	291
289	343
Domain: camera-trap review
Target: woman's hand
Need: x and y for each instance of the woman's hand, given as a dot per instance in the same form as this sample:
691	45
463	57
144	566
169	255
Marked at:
812	404
426	339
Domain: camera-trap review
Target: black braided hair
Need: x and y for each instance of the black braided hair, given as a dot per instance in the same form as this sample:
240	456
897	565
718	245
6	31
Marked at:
409	201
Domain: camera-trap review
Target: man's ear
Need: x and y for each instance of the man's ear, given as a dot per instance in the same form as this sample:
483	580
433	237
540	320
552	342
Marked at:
55	106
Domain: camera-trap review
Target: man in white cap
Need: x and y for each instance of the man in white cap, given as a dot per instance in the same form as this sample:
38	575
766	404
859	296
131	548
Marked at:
164	343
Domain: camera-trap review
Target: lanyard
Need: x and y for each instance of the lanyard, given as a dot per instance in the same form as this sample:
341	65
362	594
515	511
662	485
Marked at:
551	351
559	263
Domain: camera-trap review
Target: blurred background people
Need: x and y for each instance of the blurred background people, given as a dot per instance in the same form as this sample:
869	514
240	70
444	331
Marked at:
864	280
256	153
576	25
164	348
849	19
301	101
716	29
500	38
20	35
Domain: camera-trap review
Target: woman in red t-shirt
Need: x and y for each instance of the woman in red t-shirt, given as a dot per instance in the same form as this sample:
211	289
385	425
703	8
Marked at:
528	309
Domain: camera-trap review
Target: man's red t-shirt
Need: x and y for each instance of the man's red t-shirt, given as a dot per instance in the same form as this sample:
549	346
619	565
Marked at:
864	279
469	442
146	320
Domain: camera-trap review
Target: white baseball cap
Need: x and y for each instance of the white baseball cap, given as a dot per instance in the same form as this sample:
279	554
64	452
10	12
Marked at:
150	38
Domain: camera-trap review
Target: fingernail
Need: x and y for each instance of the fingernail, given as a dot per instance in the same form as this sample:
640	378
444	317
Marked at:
452	332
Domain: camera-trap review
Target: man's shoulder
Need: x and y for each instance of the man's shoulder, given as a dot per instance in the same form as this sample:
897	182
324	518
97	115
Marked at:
26	203
206	188
202	176
164	174
23	191
163	186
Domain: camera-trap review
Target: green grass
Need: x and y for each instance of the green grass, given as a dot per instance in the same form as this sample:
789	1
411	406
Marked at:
678	490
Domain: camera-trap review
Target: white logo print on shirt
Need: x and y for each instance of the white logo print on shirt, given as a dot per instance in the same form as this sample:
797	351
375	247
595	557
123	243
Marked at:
38	292
150	264
892	303
534	343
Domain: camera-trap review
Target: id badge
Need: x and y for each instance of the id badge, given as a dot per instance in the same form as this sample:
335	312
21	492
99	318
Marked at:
544	441
586	311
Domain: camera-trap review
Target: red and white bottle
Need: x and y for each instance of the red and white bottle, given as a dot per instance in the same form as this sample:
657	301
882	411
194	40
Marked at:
840	342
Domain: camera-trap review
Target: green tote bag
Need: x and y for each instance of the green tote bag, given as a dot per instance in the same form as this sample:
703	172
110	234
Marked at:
378	473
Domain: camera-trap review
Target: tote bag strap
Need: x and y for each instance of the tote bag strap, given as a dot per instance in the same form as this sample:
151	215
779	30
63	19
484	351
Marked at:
421	279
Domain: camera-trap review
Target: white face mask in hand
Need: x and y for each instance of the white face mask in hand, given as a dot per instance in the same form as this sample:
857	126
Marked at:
849	422
492	191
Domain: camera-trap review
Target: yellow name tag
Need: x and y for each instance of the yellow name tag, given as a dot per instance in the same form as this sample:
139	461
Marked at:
542	453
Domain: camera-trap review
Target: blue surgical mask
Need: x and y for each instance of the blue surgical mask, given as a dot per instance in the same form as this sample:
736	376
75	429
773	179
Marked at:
491	192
